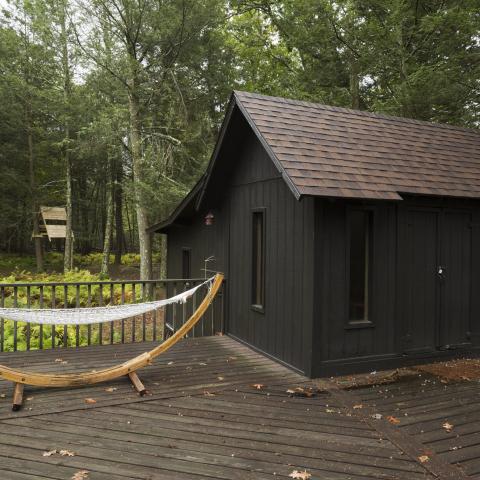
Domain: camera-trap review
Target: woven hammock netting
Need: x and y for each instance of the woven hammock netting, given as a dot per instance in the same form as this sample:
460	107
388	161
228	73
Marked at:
86	316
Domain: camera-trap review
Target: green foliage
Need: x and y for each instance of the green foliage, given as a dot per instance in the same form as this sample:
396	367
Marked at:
413	58
54	261
72	296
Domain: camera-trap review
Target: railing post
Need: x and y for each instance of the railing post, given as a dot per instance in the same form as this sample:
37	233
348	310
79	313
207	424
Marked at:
15	323
28	325
122	301
2	321
53	326
134	321
40	343
77	305
112	302
65	305
89	304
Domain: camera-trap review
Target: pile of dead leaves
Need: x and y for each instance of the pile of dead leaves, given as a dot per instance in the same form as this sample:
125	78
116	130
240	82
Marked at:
374	378
301	475
467	369
62	453
307	392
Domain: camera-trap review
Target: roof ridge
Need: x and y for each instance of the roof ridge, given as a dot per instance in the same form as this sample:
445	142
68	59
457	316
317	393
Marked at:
364	113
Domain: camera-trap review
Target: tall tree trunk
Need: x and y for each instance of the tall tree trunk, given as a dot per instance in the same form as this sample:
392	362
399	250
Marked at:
37	239
109	222
404	97
68	257
119	235
144	238
354	83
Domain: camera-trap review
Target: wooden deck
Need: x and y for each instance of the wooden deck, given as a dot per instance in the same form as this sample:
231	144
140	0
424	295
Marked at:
204	419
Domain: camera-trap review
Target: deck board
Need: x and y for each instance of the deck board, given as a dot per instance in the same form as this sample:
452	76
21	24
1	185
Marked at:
202	419
423	405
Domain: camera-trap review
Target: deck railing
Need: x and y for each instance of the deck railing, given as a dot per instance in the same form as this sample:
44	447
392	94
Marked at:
155	325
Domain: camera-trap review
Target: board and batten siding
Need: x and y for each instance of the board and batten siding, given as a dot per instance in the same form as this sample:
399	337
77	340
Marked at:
415	315
283	329
336	340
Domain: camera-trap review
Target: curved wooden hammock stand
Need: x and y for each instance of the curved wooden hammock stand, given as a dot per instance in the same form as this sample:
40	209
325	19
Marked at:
129	368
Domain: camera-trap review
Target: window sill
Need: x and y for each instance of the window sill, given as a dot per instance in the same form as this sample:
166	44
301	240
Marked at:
359	324
258	308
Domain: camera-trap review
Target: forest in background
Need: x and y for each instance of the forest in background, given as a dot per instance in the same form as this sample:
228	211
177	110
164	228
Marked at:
111	107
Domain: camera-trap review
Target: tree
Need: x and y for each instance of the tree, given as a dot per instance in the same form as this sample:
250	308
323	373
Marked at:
150	38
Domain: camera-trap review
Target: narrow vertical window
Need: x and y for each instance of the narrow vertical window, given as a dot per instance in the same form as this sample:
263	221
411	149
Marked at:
258	259
360	231
186	263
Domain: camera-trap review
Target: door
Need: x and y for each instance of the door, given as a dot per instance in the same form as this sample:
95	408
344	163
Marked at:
435	278
420	282
455	279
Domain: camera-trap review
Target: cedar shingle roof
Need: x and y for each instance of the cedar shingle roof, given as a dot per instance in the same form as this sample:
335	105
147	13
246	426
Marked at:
331	151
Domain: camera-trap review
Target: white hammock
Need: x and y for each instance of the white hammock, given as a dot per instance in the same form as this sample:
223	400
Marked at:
85	316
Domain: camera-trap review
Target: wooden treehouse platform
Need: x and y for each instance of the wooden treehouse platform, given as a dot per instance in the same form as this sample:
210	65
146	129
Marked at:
204	417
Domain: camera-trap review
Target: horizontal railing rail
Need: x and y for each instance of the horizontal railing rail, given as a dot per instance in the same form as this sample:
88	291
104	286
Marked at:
155	325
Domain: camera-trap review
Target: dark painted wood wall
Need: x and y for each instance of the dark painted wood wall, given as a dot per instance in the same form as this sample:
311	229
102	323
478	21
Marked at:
284	329
415	315
336	340
305	322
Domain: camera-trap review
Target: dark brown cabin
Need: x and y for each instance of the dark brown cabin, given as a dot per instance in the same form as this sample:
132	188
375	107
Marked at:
350	241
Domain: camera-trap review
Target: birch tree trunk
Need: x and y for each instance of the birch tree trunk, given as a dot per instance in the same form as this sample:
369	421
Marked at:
67	88
119	235
144	238
109	224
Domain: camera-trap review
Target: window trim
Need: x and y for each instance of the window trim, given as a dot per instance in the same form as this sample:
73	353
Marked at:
369	322
262	211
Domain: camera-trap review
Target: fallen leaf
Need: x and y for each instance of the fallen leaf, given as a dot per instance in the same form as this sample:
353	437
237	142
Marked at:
258	386
81	475
2	395
170	363
111	389
59	360
49	453
393	420
66	453
29	399
357	407
90	401
301	475
377	416
424	458
447	426
208	394
221	378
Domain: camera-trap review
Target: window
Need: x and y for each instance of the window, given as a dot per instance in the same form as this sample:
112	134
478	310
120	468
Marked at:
186	263
360	241
258	259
